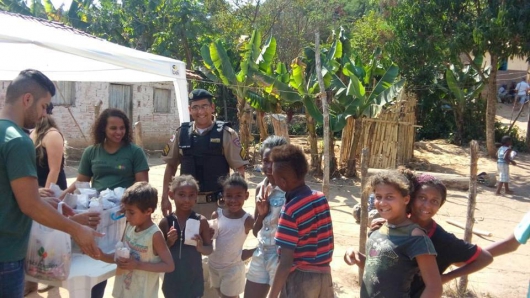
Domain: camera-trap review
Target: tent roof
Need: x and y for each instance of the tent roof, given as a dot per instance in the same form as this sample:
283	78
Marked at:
67	54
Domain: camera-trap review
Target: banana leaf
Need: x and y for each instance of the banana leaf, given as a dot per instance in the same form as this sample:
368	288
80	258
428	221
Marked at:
221	62
268	52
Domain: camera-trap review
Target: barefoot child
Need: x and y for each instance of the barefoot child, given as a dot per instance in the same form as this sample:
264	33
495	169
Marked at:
149	254
305	232
187	279
227	270
400	249
503	164
269	202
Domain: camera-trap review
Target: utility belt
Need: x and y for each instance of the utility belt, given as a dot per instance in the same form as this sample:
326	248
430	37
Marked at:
209	197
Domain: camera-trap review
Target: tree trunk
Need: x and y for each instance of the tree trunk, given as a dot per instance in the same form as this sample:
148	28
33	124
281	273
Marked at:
225	105
313	144
262	126
332	158
243	115
357	131
279	123
345	140
459	121
189	59
527	128
491	108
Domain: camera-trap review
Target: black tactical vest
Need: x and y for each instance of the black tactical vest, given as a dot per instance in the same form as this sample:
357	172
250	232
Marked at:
202	156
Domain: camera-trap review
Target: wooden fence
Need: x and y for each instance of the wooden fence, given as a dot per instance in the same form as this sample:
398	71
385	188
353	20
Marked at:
390	137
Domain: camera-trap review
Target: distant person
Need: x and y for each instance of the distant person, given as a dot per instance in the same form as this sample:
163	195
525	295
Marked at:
49	146
204	148
522	93
187	280
227	270
502	93
27	99
305	231
138	275
504	160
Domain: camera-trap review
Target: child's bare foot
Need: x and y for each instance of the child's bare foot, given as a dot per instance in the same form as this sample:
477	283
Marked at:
497	193
509	192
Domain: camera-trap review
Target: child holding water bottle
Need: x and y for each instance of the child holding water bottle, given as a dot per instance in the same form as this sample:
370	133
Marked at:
148	254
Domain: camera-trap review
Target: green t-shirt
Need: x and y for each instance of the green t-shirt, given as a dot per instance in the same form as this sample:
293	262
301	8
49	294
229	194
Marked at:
17	160
112	170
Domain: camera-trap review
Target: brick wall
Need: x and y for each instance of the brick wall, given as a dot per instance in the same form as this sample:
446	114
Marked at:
157	127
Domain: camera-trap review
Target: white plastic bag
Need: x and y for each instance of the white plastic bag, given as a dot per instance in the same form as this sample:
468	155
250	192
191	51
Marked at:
49	253
57	192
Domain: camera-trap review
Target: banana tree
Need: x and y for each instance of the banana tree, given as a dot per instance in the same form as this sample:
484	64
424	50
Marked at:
293	89
462	85
302	87
219	68
359	91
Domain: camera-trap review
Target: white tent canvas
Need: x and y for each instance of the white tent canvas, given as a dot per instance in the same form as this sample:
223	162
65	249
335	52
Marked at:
67	54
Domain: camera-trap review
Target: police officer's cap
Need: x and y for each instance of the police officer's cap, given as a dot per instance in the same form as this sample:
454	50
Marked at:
199	94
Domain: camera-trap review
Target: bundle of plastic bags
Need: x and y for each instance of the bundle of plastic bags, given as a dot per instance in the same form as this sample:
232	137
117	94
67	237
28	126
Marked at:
49	252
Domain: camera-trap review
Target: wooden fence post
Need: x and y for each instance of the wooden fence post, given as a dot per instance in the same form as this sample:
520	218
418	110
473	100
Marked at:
325	112
365	157
472	201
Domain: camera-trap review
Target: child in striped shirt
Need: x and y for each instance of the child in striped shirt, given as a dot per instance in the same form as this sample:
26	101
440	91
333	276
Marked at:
304	269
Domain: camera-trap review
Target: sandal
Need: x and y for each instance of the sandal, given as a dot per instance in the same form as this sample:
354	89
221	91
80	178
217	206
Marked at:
44	288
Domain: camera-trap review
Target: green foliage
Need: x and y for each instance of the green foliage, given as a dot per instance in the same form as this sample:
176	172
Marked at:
297	129
518	140
438	119
16	6
369	33
172	28
429	35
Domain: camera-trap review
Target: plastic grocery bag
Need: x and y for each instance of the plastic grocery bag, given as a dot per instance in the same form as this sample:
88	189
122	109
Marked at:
49	253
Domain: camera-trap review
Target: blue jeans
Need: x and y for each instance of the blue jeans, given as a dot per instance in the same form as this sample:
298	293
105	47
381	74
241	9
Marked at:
12	279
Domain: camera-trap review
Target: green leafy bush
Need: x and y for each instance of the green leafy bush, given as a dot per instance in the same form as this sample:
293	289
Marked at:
518	141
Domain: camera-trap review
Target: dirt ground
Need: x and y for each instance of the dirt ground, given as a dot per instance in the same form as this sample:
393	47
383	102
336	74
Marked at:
507	276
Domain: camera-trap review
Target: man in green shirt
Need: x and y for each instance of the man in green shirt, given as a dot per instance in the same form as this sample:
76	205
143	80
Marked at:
27	97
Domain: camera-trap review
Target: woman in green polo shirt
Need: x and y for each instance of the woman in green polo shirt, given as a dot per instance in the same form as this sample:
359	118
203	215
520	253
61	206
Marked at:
112	161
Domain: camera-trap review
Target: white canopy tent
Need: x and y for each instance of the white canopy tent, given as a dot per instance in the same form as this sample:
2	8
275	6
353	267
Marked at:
66	54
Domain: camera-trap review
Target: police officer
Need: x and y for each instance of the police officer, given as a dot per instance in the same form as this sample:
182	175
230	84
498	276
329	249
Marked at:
204	148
